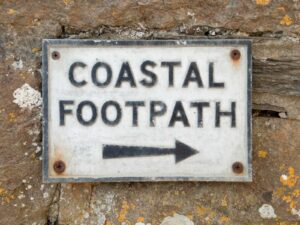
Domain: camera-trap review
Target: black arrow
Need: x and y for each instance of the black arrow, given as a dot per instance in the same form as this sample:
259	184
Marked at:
181	151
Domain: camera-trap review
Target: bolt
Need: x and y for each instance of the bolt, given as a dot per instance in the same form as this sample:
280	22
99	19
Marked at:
55	55
235	54
59	166
237	167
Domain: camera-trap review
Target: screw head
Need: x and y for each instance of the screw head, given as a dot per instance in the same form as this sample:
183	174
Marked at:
59	166
237	167
235	54
55	55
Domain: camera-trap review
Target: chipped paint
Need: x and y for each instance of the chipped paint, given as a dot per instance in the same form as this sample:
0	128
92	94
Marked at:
263	2
267	211
286	20
262	154
27	97
177	220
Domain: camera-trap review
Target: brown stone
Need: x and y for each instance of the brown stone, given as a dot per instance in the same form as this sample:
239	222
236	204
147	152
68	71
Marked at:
274	28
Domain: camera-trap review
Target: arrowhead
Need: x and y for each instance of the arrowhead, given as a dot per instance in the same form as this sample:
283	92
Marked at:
183	151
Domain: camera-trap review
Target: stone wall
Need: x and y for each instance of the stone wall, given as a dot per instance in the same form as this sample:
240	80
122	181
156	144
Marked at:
274	195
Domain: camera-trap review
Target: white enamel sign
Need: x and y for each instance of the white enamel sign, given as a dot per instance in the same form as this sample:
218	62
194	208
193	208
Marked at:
147	110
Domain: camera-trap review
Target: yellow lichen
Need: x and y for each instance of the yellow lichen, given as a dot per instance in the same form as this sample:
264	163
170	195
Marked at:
11	11
140	219
67	2
2	191
201	210
296	193
210	216
224	201
290	200
190	216
107	222
287	193
262	154
23	76
263	2
35	50
281	9
123	212
11	117
286	20
5	196
224	220
291	179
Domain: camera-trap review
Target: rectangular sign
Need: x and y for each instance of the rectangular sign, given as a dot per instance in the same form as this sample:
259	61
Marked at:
147	110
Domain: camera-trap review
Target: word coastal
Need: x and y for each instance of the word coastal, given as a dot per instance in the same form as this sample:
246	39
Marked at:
111	112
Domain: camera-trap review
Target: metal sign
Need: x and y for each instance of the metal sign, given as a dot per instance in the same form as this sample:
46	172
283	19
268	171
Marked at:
147	110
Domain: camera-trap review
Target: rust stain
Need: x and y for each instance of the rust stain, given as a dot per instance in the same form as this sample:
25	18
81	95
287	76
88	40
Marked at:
57	156
262	154
286	20
263	2
124	210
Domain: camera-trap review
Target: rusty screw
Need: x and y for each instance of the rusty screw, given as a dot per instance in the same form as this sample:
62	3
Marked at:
55	55
237	167
235	54
59	166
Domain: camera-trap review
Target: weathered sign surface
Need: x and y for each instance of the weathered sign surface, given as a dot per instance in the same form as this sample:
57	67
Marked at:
147	110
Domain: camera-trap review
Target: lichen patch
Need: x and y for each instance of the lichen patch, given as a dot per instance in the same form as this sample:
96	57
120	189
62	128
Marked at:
177	220
27	97
266	211
17	65
263	2
286	20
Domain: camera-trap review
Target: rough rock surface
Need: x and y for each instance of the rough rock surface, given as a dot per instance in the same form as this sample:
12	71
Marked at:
274	195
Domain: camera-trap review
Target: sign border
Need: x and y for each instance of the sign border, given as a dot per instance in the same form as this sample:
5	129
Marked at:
182	42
